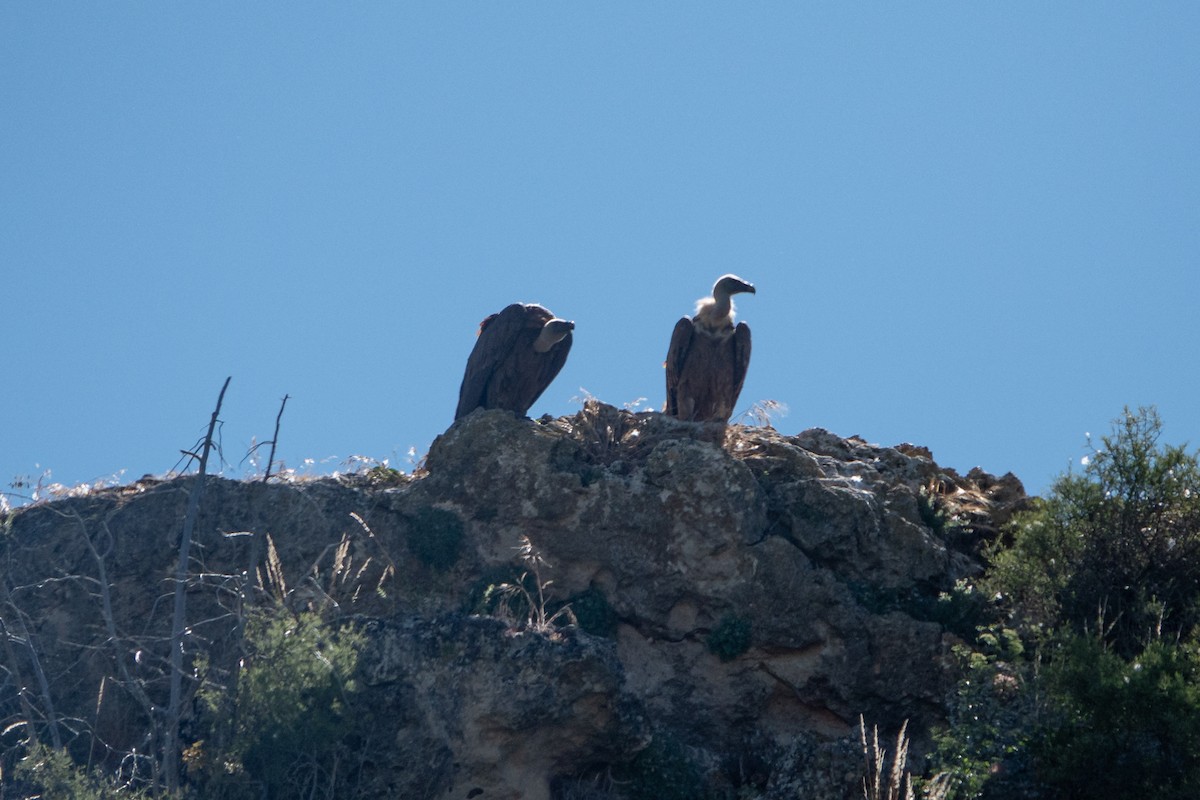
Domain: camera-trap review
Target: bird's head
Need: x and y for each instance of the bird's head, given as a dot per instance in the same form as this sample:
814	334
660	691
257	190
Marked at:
728	285
553	332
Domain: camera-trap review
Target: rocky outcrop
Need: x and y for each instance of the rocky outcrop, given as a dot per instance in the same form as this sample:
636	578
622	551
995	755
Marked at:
476	707
741	594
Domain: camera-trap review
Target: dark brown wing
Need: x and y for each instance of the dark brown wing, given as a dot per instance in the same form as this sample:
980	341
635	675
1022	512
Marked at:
681	342
741	361
540	371
498	334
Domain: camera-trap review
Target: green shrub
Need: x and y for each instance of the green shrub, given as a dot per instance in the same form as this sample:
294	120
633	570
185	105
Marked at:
730	638
383	475
493	594
593	612
46	772
663	771
1114	549
1122	728
991	718
959	609
288	721
482	596
435	537
933	513
1101	579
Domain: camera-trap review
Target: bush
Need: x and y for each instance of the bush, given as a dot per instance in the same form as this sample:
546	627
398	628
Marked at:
1116	549
730	638
290	722
1123	728
594	613
1102	579
46	772
991	718
663	771
435	536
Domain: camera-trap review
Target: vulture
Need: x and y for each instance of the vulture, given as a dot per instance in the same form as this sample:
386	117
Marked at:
707	361
517	355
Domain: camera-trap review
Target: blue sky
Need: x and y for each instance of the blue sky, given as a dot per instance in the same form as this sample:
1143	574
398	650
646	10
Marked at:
973	227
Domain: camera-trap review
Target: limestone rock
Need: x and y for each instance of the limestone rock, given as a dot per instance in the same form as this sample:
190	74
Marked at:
756	593
492	711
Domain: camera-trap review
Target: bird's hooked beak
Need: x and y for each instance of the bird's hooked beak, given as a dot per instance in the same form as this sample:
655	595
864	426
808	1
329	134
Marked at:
552	333
732	284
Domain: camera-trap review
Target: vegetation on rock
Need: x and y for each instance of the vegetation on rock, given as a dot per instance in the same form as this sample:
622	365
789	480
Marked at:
284	723
436	537
1087	684
730	638
558	606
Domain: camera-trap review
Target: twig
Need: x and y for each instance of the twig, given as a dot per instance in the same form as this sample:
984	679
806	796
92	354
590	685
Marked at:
274	439
96	721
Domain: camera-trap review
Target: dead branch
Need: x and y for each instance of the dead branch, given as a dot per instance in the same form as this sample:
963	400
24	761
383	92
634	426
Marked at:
135	687
179	618
24	637
274	440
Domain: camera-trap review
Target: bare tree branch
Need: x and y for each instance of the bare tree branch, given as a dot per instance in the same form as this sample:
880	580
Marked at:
179	618
43	685
134	686
274	440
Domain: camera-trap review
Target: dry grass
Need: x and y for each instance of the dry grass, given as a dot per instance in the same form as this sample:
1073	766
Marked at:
534	601
888	778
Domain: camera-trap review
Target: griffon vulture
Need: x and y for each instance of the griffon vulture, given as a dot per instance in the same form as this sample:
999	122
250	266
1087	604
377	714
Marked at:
707	361
517	355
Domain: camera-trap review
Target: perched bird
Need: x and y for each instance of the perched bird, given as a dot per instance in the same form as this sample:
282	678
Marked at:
517	355
707	361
